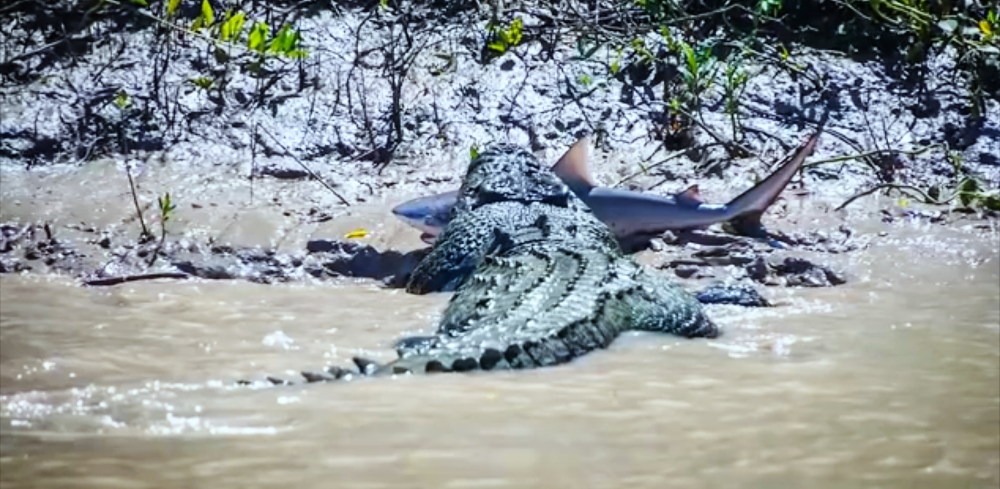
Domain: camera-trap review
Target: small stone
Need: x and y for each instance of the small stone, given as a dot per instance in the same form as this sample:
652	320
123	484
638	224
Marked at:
465	364
365	366
711	251
311	376
740	295
338	372
833	277
685	271
757	269
813	277
490	358
434	366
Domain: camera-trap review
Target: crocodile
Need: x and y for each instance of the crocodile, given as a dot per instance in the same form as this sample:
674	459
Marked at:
538	279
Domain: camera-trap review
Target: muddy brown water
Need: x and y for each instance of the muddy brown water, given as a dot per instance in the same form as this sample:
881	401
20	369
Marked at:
890	381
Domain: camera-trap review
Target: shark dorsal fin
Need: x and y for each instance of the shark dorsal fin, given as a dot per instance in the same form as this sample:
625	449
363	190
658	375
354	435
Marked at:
690	196
573	167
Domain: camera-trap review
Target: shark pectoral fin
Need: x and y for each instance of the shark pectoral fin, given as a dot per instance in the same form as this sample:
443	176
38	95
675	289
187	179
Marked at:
573	167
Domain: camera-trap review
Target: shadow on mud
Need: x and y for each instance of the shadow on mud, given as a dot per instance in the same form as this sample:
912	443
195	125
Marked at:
346	259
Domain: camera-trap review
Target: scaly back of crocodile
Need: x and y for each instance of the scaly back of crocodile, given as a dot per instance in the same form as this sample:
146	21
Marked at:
538	279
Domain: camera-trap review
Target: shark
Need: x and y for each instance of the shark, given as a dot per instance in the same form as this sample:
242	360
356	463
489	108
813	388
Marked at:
635	217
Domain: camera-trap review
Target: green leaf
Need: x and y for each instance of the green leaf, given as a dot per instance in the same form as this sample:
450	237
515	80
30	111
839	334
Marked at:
968	191
221	56
285	41
166	207
233	26
207	13
202	82
121	99
692	59
172	7
474	151
141	3
258	36
991	201
768	7
969	185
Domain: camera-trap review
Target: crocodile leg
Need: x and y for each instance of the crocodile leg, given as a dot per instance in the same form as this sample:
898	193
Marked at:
453	258
663	306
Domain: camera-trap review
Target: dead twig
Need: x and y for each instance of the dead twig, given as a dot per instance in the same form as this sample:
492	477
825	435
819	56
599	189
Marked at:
868	154
306	168
920	194
138	210
668	158
103	282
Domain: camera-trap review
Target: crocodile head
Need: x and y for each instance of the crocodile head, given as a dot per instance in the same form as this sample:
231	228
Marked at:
508	173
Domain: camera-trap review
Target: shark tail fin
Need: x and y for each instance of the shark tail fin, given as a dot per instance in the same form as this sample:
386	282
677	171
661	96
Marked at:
749	206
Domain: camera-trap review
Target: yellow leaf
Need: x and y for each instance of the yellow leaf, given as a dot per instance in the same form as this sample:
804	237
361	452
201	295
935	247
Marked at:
497	46
357	233
903	202
985	27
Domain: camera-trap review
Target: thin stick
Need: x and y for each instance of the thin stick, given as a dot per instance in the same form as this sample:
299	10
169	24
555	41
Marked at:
253	158
307	169
893	186
877	152
669	157
135	200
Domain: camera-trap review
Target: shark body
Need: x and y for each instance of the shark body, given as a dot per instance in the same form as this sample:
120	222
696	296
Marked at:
634	217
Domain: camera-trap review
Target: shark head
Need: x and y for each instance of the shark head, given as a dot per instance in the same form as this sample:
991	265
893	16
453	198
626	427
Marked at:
428	214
